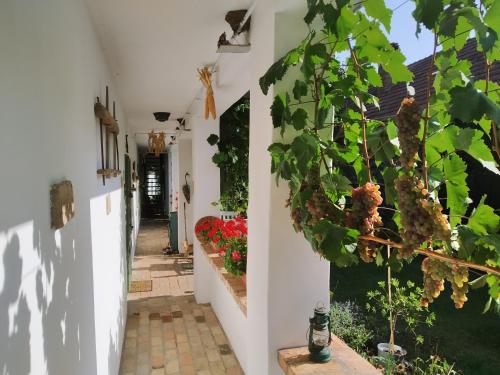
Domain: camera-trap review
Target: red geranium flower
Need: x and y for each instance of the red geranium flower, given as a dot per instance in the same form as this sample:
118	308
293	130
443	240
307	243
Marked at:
235	256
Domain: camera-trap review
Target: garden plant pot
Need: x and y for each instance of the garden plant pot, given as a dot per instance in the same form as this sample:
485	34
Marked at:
244	278
383	351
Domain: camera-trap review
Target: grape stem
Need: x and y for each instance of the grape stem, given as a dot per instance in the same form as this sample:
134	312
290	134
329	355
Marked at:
433	254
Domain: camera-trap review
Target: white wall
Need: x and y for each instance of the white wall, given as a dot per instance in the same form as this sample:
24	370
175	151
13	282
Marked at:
62	293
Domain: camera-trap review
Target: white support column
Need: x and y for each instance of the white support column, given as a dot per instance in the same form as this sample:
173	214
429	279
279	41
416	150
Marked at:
206	189
285	279
185	166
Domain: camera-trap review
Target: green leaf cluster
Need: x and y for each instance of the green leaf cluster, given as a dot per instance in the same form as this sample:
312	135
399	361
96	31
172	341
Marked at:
330	147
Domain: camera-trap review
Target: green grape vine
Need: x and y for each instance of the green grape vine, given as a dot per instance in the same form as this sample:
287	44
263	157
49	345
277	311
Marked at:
357	183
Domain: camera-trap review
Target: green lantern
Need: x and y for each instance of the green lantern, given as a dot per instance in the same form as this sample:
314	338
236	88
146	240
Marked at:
320	335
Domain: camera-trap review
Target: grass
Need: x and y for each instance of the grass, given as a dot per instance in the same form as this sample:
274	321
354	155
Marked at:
465	337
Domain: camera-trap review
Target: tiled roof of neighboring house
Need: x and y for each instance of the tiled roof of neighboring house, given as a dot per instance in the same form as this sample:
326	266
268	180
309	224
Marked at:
390	96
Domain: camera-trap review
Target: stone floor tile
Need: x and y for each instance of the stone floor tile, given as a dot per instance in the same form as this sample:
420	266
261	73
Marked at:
167	332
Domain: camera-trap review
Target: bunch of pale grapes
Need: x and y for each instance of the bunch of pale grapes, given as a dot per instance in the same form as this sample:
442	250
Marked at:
421	218
364	217
436	272
459	278
441	227
416	222
408	124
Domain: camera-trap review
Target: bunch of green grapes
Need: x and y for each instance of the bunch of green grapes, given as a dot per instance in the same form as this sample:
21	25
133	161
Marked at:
364	217
441	227
408	124
436	272
422	219
415	220
459	278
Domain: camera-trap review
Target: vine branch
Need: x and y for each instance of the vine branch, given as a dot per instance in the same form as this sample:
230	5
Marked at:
433	254
361	108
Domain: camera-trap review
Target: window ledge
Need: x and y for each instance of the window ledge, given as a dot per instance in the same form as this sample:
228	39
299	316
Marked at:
345	361
234	284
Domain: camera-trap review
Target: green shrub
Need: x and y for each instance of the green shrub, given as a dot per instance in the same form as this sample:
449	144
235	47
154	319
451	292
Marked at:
433	366
349	325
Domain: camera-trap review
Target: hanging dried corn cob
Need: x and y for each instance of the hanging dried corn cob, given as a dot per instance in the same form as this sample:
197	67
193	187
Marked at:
151	142
206	79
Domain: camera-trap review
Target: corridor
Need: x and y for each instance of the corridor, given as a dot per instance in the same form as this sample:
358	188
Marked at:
167	331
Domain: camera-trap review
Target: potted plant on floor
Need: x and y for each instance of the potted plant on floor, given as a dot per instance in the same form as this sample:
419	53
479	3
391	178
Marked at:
396	303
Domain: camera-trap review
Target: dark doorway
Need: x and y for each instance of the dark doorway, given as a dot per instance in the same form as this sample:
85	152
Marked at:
153	186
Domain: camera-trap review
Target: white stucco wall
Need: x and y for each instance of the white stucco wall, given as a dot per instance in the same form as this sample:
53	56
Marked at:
62	293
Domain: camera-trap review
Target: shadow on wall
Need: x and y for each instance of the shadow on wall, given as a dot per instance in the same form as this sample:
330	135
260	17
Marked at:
14	327
46	304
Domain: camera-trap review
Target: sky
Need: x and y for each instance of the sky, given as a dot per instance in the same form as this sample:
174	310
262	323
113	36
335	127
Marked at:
403	32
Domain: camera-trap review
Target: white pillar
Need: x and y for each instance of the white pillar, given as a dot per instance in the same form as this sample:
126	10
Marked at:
185	166
285	279
206	189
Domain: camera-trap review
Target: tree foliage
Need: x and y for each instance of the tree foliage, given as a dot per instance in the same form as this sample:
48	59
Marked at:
232	156
333	151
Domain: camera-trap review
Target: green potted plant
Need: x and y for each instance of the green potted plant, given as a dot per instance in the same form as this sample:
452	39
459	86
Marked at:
396	303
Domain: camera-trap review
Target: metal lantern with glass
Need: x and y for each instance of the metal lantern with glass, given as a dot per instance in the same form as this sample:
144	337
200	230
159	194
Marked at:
320	335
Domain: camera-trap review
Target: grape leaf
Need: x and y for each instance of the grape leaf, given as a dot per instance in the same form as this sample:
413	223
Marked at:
314	54
378	10
468	140
278	70
338	243
213	139
313	10
305	149
427	12
299	119
457	191
280	112
299	89
468	104
484	220
492	16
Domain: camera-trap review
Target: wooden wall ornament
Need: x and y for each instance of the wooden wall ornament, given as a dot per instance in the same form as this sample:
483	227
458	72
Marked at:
109	141
62	206
206	78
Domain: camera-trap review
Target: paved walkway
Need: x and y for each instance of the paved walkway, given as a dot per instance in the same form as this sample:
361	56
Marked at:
167	331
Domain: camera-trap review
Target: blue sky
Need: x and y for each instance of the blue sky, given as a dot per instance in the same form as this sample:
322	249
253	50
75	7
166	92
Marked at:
403	32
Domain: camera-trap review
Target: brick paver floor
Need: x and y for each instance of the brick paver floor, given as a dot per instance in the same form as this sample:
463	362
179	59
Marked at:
167	331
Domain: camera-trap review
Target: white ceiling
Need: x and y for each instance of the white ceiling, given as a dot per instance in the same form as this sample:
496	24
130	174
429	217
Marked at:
154	47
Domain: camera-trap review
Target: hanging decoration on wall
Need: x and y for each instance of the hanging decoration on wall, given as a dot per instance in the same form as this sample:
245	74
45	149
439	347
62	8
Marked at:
62	206
156	143
186	189
109	142
206	79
